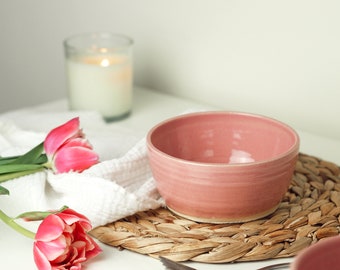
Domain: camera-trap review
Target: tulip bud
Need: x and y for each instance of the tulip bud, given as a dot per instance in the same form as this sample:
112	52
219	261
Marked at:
67	149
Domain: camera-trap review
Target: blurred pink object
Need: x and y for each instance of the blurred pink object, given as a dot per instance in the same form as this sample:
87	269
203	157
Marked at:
61	241
67	149
222	166
324	255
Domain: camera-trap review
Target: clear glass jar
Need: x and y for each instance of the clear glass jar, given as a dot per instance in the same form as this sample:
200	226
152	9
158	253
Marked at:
99	73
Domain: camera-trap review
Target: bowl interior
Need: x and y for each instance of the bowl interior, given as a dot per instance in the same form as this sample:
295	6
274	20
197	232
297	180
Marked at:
219	137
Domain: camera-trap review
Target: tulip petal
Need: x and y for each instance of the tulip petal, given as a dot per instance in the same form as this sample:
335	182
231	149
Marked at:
74	159
80	246
40	259
59	135
70	216
50	228
53	249
70	248
78	142
76	267
92	248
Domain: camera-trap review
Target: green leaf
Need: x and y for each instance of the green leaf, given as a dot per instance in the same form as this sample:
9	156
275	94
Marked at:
38	215
4	191
41	159
33	215
9	168
31	156
7	160
8	176
15	160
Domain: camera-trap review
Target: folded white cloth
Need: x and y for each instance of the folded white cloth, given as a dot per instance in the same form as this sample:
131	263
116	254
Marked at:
120	185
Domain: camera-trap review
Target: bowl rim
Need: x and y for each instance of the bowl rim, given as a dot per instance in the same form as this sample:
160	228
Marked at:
293	150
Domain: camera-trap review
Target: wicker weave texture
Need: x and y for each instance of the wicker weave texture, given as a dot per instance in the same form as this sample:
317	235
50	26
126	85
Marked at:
309	212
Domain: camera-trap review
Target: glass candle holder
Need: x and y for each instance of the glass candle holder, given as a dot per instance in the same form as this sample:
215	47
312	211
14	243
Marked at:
99	73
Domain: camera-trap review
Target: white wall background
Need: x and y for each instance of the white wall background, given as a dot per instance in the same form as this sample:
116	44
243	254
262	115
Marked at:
279	58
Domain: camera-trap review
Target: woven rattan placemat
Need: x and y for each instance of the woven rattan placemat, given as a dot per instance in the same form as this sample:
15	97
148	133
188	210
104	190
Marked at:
309	212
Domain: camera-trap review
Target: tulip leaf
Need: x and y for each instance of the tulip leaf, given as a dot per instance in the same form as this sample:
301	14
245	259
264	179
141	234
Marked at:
7	160
10	175
31	156
33	216
9	168
38	215
41	159
4	191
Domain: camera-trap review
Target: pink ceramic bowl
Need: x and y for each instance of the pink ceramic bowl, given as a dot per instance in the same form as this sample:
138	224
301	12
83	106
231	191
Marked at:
324	255
221	167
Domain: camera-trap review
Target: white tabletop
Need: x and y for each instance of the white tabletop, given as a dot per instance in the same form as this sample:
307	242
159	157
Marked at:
149	109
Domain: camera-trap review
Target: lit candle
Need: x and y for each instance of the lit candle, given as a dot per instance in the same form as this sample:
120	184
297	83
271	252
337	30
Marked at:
100	78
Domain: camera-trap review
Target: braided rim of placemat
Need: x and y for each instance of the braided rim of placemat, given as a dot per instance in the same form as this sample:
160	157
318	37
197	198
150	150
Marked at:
308	213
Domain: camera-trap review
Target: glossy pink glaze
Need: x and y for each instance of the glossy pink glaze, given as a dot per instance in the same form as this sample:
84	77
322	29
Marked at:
324	255
222	166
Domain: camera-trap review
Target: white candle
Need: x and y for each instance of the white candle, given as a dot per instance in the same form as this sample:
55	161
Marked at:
102	83
99	74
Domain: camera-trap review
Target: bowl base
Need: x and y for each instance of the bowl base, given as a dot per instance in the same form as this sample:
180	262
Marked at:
226	220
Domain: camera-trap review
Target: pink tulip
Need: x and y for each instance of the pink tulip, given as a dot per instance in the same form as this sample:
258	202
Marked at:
62	242
67	149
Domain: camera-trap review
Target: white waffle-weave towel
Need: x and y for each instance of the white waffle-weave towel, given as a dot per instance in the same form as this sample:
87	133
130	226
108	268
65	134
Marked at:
120	185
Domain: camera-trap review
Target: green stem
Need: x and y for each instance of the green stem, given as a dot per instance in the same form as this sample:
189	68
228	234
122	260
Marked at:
10	222
47	165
